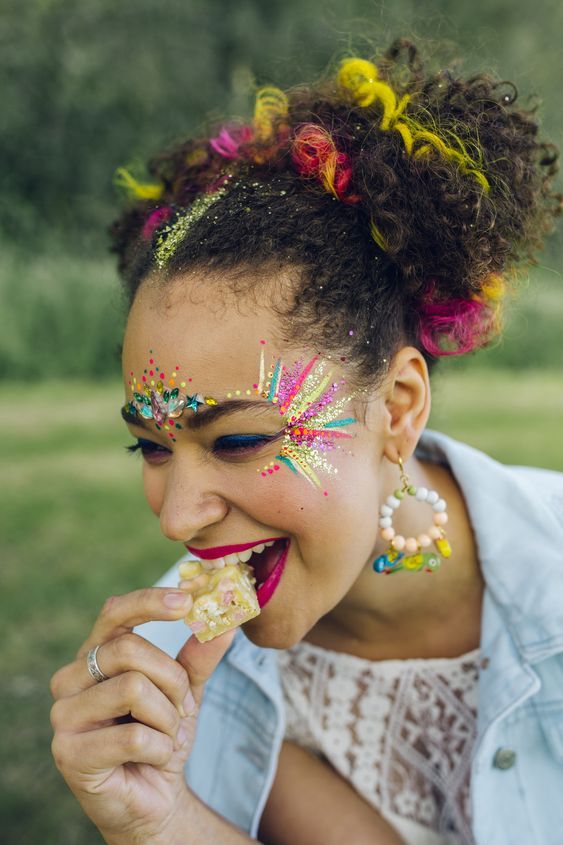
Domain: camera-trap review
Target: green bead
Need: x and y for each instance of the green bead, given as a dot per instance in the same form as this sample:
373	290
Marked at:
399	494
411	490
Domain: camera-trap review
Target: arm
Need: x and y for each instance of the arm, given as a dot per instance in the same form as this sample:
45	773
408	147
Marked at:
311	804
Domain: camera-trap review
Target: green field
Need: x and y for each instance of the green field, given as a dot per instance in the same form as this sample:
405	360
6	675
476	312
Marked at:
76	529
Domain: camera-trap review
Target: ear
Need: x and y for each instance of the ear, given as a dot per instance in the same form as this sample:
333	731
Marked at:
407	403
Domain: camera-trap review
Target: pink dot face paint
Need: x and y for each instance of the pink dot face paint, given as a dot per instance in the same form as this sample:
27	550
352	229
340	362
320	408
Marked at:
306	396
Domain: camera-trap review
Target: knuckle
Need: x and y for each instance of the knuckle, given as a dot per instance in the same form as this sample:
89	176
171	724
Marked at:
128	646
180	678
132	686
173	719
60	752
56	714
146	596
167	749
55	684
108	607
134	738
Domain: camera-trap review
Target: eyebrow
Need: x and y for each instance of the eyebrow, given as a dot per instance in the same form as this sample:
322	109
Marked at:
205	417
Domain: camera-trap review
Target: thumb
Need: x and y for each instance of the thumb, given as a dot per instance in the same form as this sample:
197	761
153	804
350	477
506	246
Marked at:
201	659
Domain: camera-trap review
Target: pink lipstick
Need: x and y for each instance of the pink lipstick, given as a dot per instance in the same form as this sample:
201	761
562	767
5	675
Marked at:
266	590
221	551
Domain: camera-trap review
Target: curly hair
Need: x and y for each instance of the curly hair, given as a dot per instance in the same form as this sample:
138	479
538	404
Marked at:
400	199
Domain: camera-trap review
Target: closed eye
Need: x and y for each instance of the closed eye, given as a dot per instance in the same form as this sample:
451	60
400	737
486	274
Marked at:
151	451
242	443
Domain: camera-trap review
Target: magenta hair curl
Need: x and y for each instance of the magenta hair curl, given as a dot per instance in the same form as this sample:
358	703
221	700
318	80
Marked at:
455	326
230	139
155	219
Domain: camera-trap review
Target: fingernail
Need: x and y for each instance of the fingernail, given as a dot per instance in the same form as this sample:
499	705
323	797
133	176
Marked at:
175	600
188	704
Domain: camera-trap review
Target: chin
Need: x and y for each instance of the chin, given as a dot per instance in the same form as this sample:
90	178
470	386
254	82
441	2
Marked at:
276	635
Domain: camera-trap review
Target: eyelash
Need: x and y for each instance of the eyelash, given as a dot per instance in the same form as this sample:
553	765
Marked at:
238	444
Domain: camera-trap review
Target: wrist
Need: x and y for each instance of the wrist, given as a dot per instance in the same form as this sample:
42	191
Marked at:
178	829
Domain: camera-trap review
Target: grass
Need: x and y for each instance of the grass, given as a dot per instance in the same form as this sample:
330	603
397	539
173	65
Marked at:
76	529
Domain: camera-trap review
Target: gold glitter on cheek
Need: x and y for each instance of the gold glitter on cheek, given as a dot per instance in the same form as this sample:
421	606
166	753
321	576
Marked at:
306	400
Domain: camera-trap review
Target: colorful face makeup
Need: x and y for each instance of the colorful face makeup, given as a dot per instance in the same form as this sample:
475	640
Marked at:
305	396
157	398
306	399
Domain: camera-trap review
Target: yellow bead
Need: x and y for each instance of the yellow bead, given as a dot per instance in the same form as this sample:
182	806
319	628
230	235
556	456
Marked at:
443	547
413	561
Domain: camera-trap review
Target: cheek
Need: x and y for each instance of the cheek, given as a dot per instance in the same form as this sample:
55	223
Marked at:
316	517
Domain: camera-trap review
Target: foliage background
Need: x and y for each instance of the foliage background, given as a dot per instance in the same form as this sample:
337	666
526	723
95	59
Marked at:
88	86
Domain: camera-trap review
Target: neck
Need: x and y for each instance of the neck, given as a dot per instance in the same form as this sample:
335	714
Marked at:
413	614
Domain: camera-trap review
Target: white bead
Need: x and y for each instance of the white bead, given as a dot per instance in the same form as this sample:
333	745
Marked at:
386	510
411	545
393	502
385	522
440	506
421	494
432	497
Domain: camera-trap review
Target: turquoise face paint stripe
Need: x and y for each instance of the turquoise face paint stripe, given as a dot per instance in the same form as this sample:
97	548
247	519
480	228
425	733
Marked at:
338	423
275	380
288	462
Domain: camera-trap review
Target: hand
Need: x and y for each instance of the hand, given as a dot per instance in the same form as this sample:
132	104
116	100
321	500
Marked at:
121	744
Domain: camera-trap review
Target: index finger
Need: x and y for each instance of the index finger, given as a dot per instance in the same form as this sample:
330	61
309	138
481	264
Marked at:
120	614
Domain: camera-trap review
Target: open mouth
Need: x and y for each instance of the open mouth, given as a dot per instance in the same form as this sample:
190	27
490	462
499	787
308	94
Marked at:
266	559
268	566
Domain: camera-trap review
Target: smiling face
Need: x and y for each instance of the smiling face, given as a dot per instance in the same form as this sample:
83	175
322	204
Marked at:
212	482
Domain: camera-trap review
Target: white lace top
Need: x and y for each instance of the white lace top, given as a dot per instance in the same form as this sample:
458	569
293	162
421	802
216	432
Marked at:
400	731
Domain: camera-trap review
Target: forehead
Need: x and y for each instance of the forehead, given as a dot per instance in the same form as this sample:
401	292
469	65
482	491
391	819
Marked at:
214	337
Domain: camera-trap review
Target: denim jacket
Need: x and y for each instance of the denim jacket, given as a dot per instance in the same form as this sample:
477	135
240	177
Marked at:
517	768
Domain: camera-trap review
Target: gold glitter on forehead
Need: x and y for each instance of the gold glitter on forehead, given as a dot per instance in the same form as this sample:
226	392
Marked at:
172	235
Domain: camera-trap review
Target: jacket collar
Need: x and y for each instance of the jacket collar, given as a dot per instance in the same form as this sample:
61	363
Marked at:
517	518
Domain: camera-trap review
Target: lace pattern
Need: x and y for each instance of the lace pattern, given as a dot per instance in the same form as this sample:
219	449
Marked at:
400	731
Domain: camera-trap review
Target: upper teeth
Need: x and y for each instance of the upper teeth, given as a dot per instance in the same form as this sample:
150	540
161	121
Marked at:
236	557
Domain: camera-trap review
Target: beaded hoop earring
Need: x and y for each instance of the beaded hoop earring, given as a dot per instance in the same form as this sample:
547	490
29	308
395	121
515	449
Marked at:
416	559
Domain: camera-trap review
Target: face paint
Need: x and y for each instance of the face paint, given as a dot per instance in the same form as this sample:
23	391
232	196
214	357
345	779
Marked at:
157	398
306	398
305	395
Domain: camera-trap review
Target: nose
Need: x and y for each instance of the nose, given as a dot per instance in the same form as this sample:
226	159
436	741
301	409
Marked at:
190	502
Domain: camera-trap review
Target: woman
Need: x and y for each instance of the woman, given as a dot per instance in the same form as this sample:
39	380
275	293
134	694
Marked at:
292	281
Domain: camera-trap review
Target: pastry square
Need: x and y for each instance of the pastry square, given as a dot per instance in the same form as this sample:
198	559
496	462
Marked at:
226	601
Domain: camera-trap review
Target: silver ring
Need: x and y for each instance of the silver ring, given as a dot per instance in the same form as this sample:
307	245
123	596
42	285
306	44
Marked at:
93	667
